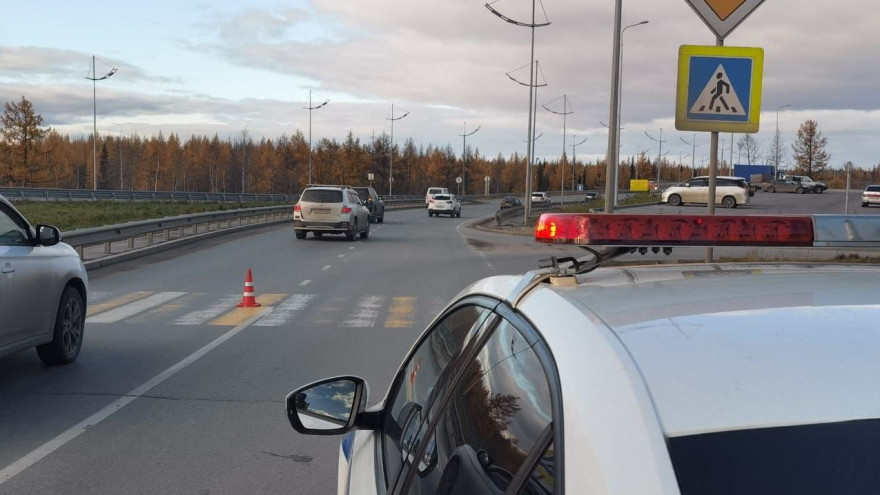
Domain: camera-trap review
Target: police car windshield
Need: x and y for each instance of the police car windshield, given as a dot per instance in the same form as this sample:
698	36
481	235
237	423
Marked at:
815	459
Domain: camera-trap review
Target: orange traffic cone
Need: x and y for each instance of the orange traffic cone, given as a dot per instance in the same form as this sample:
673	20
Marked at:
248	300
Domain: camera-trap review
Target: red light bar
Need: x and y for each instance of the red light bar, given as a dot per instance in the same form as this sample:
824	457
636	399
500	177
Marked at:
674	230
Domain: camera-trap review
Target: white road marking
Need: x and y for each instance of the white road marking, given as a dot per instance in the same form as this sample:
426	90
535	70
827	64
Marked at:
201	316
134	308
341	256
305	282
56	443
282	313
326	267
350	248
366	313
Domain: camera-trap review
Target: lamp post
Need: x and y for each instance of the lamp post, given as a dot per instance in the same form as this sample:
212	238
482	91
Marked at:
464	136
310	108
693	146
659	152
94	78
620	101
391	153
574	160
776	144
565	112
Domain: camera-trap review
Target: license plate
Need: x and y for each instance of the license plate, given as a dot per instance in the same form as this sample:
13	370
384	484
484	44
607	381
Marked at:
320	211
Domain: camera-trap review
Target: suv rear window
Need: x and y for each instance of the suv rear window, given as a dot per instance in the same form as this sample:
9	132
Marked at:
441	197
321	196
363	192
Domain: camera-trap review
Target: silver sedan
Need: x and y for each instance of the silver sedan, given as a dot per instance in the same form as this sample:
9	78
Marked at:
43	290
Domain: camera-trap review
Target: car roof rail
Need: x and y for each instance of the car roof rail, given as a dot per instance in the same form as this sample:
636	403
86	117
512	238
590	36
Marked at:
329	185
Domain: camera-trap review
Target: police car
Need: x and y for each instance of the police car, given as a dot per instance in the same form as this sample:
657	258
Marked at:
665	379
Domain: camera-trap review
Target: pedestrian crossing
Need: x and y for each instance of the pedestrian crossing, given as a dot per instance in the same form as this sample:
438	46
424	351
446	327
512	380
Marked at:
276	310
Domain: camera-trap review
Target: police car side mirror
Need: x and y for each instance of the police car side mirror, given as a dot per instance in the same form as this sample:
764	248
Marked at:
327	407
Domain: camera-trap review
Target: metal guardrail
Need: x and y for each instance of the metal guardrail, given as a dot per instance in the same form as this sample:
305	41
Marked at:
37	194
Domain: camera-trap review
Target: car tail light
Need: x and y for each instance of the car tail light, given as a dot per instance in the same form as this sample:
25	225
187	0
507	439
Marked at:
449	202
346	209
674	230
431	201
297	208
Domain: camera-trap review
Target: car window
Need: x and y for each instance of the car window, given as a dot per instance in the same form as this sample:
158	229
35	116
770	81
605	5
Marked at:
321	196
362	192
416	384
441	197
498	412
699	183
12	233
873	188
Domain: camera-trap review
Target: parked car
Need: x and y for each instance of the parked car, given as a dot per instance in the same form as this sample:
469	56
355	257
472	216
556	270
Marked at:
373	202
730	192
510	202
786	185
540	197
811	185
434	190
43	290
444	204
331	210
727	378
871	195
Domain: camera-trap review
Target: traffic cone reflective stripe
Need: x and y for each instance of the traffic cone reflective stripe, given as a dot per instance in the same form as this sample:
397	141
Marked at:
248	299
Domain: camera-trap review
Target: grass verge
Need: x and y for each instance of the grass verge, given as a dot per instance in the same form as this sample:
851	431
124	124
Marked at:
72	215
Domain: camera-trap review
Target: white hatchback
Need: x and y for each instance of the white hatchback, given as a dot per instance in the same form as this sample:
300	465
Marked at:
666	379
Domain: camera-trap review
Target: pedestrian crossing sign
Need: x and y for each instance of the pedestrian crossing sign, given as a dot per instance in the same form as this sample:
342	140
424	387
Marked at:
719	89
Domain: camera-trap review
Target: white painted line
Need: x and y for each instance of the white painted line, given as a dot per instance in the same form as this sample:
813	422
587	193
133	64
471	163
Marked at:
350	248
133	308
201	316
366	313
282	313
56	443
305	282
326	267
341	256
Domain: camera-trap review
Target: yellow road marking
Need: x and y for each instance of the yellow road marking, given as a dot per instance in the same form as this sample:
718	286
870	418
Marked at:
115	303
400	313
239	315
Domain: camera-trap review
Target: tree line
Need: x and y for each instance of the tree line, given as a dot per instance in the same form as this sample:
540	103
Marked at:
34	156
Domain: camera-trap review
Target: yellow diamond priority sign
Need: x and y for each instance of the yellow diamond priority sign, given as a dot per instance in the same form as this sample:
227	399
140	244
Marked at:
723	16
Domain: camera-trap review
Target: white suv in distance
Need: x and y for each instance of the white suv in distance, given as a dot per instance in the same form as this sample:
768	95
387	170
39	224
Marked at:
540	197
43	290
705	378
730	192
331	210
444	204
432	191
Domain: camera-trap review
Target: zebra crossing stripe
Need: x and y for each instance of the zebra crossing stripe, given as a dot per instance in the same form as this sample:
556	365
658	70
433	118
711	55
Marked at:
282	313
113	303
401	312
134	308
366	313
216	309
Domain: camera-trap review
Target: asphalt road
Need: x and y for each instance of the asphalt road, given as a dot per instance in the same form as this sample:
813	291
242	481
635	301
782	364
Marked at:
178	391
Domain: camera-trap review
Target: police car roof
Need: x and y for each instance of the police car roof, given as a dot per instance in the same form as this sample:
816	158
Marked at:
723	347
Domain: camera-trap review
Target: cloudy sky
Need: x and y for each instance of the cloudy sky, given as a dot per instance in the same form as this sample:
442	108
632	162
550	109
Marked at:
222	67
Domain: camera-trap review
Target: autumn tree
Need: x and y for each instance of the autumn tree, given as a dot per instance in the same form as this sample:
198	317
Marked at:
810	156
22	138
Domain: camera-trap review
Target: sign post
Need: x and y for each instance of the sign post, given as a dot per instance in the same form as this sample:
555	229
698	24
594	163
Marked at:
722	17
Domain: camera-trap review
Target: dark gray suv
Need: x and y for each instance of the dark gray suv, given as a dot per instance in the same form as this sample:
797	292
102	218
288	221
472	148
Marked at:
373	203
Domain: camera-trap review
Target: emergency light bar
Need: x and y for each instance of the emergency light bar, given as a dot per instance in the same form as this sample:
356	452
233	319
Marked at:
697	230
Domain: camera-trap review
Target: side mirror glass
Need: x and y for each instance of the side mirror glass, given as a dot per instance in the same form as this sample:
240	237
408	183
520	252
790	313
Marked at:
327	407
48	235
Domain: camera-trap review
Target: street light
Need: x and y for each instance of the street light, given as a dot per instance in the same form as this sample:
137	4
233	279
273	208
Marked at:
94	78
776	145
464	136
391	154
693	146
565	112
310	108
659	152
620	101
574	146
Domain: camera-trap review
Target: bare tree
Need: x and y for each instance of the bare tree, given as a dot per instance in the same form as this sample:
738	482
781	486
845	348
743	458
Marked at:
748	148
810	156
775	150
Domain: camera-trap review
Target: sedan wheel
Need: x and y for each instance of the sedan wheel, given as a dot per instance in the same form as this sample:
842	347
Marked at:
799	190
350	235
674	200
68	333
771	189
728	202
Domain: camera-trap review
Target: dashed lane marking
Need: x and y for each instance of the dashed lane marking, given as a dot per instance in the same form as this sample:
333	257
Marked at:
326	267
305	282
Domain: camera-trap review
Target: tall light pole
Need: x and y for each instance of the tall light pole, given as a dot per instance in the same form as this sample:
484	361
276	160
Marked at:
574	158
464	136
94	78
565	112
777	144
660	140
693	146
310	108
391	153
620	102
527	204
